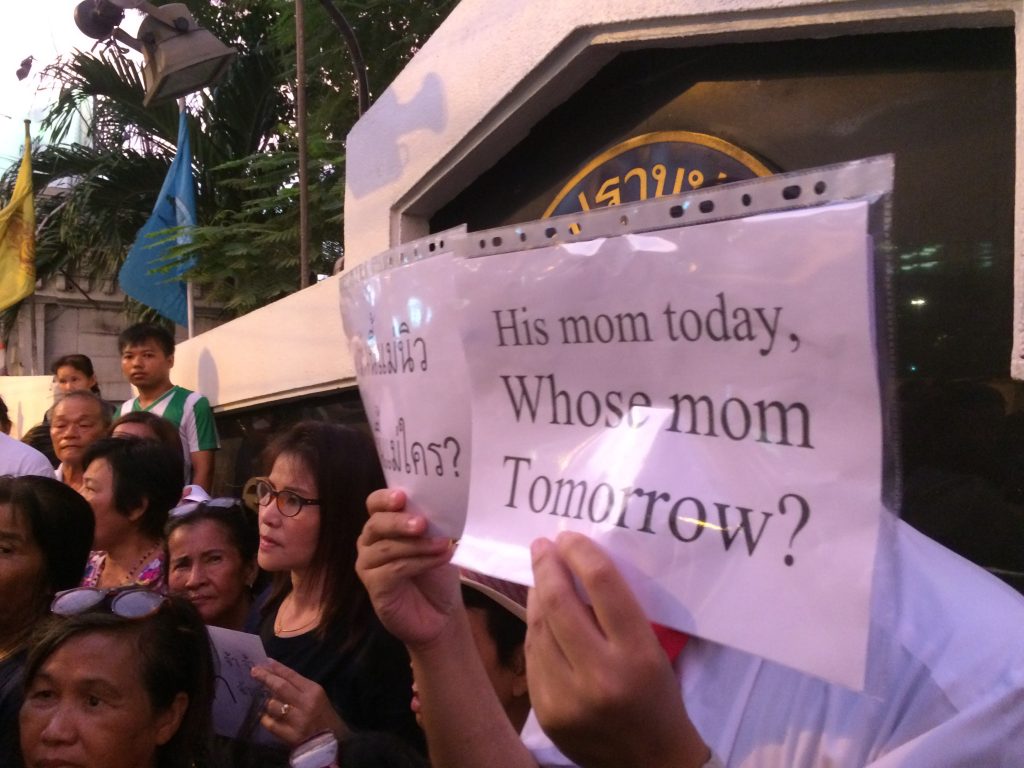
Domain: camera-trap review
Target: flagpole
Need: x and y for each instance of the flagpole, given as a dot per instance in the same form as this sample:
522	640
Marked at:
300	121
190	306
33	352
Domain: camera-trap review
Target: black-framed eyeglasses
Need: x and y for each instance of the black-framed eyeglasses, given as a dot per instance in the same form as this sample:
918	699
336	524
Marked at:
289	503
188	507
130	603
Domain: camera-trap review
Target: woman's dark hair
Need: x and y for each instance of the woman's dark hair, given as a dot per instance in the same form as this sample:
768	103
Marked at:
174	657
61	523
143	471
164	430
343	463
506	629
5	419
80	363
238	522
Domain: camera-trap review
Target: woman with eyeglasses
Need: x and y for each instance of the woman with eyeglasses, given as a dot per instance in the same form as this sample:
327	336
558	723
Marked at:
335	667
120	679
45	534
130	485
210	555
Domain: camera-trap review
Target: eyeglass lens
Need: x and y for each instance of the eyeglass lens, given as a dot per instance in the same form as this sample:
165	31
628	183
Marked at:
288	503
76	601
136	603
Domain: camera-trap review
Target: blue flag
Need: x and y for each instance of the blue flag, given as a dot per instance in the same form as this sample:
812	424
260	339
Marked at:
140	275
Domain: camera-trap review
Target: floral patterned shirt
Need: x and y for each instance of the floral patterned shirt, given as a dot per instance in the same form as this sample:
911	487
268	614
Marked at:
150	576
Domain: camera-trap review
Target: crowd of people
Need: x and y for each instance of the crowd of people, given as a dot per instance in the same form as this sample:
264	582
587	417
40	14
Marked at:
115	560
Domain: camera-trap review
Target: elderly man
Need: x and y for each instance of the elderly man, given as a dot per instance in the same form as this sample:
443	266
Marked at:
79	420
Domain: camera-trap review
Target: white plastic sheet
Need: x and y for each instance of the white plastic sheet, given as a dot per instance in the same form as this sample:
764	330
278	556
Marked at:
402	333
703	402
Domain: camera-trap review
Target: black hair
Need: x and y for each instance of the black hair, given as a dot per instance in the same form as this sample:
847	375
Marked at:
506	629
343	463
80	363
140	333
174	657
163	429
5	419
143	470
238	521
61	523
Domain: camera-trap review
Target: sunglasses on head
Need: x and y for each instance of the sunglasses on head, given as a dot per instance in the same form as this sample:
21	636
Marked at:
130	603
188	507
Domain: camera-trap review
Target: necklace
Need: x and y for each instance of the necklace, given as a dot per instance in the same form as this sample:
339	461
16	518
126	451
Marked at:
131	574
279	628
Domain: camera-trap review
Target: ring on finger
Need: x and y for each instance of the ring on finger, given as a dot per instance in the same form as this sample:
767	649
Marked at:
285	709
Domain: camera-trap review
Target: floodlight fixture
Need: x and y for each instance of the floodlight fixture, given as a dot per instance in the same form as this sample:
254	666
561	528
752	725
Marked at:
179	56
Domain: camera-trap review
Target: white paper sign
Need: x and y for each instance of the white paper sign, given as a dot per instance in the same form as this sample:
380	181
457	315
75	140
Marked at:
238	698
701	401
413	382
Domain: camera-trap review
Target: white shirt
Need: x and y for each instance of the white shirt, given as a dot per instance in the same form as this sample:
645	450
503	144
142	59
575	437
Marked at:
945	679
17	458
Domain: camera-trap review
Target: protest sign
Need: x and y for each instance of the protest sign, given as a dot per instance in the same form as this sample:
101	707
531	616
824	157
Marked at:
399	320
238	698
704	403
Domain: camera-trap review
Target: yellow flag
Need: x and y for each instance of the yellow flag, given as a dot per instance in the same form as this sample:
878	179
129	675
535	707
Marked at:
18	237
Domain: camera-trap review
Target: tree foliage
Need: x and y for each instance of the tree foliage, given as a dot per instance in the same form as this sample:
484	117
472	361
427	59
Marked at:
245	147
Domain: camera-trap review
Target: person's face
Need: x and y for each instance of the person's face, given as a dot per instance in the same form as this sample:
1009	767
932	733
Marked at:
508	682
134	429
206	567
77	424
146	365
22	569
98	490
87	708
70	379
288	543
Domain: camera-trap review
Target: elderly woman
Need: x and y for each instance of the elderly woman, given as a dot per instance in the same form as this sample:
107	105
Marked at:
210	551
130	485
118	680
45	533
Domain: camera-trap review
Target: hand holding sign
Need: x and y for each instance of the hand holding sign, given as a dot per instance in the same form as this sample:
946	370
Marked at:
297	707
600	683
694	399
413	588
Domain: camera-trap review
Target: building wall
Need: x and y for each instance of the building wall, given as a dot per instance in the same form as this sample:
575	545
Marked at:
475	89
75	315
495	67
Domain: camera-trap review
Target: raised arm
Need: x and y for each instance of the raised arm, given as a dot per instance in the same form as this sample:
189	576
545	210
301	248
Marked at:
415	592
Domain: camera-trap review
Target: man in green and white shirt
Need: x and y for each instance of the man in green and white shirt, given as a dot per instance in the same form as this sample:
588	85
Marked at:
147	356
